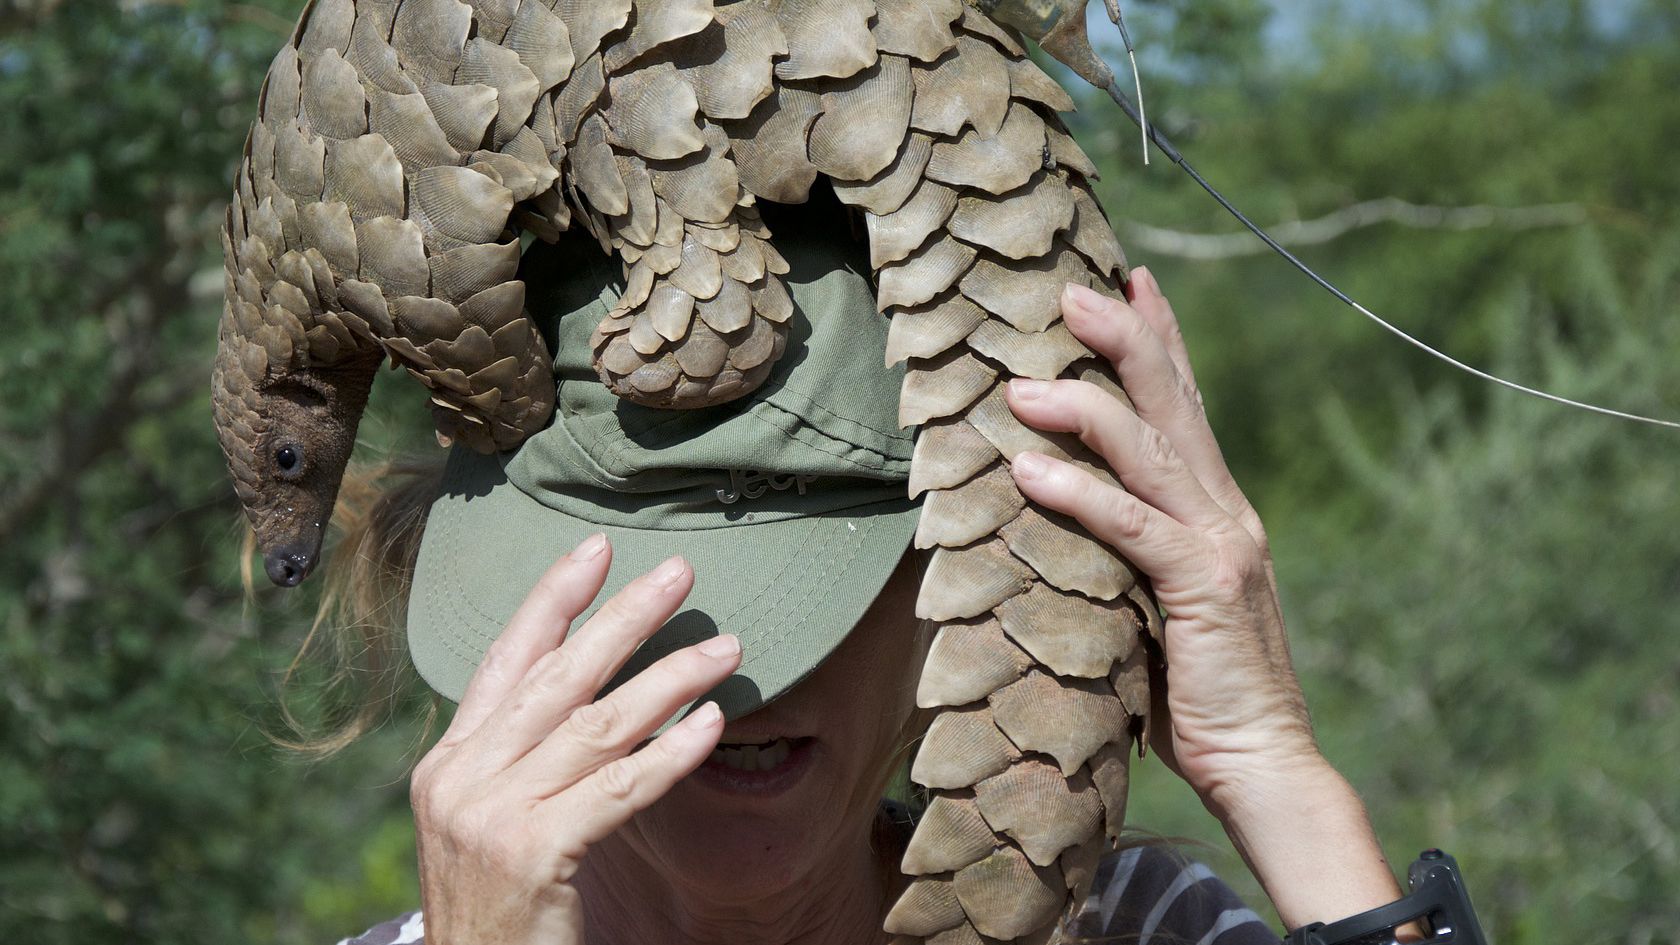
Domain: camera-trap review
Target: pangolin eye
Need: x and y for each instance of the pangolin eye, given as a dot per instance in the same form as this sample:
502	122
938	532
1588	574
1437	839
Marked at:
288	458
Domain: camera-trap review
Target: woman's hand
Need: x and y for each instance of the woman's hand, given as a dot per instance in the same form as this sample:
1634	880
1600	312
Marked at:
533	770
1233	707
1232	721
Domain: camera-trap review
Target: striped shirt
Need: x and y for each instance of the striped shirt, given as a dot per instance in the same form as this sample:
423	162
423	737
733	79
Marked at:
1140	895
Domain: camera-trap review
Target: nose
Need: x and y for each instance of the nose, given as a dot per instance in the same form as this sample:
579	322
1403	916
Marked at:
287	567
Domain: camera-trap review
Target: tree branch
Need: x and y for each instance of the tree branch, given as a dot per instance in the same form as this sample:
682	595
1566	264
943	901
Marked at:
1213	246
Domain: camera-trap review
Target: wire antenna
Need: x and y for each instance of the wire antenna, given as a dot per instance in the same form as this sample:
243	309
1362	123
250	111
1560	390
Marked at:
1142	119
1153	134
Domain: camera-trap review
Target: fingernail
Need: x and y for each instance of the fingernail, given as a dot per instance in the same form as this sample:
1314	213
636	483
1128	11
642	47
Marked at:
1028	390
1082	298
704	717
1028	466
721	648
666	574
589	547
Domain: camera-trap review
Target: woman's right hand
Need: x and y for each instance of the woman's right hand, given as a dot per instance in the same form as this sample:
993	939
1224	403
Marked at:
533	769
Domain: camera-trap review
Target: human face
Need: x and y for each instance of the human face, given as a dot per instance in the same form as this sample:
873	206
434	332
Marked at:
748	833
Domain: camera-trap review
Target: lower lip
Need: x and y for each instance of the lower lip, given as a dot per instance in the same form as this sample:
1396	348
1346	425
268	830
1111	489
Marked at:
721	777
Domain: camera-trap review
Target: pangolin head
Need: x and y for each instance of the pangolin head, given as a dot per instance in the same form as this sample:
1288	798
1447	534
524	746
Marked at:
287	428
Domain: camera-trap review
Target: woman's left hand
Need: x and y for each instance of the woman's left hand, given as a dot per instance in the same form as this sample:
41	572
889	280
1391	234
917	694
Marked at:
1233	709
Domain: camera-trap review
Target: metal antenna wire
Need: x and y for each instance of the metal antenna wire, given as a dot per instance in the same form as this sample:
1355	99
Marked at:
1154	135
1142	119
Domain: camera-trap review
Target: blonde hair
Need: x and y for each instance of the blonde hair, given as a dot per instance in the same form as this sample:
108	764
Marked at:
352	669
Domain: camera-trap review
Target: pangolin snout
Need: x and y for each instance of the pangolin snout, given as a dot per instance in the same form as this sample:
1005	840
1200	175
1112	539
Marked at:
288	566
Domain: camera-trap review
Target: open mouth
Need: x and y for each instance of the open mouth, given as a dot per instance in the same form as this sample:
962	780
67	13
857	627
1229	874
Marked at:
759	768
762	756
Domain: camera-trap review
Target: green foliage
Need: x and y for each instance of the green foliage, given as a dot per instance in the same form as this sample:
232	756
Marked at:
1530	660
139	798
1487	632
1482	590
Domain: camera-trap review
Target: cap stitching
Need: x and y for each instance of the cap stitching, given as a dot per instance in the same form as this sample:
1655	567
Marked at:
453	586
779	516
452	600
811	588
811	400
825	449
616	449
857	544
622	442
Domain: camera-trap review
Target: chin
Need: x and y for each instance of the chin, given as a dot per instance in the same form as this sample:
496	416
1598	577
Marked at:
747	830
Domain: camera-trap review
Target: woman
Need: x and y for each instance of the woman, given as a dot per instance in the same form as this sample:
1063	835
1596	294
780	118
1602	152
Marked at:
545	814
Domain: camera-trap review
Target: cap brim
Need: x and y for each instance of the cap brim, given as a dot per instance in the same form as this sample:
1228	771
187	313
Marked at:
791	590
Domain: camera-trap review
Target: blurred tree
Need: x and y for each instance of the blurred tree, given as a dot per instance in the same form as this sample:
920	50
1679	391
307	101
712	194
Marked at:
1521	707
139	800
1482	589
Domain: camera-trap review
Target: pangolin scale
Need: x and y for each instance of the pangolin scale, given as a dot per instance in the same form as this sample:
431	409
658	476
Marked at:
402	146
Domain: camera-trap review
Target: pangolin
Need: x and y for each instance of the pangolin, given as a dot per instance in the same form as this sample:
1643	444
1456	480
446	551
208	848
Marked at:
402	147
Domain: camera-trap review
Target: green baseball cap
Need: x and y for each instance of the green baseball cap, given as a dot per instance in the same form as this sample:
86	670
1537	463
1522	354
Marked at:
790	504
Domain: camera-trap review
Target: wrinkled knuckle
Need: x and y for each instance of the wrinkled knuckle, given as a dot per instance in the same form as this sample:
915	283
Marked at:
428	787
1131	321
628	607
1086	488
470	826
1190	399
597	722
1127	516
617	782
497	657
685	665
1155	453
553	672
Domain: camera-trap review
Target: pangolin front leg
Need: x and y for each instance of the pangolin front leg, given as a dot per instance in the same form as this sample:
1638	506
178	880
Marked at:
704	313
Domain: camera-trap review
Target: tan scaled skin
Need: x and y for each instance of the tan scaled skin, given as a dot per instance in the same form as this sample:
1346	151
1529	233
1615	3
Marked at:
531	776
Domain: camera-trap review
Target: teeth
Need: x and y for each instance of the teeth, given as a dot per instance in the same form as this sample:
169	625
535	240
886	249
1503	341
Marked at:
752	757
775	754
